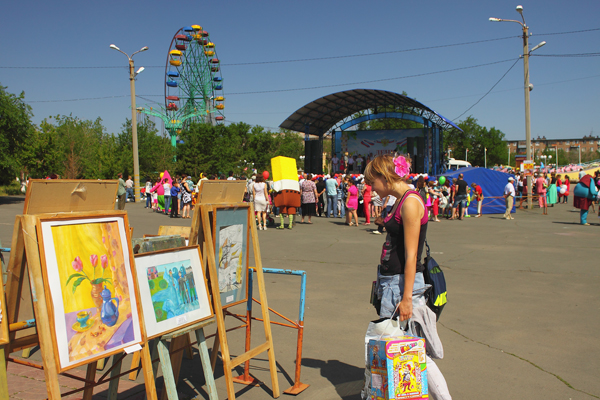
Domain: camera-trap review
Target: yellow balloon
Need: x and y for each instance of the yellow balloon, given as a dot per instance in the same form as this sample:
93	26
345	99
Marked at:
162	174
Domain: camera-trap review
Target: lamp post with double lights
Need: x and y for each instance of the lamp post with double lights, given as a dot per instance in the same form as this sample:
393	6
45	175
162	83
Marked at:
527	87
136	160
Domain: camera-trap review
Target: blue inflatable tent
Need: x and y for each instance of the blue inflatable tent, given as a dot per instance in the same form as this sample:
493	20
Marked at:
492	185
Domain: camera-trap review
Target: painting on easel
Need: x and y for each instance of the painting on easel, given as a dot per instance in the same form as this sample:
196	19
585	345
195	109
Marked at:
173	289
86	263
231	238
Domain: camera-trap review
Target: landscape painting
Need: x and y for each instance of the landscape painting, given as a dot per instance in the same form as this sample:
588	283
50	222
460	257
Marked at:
230	252
91	288
173	290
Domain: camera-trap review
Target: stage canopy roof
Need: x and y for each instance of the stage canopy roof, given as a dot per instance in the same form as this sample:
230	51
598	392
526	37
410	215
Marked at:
323	114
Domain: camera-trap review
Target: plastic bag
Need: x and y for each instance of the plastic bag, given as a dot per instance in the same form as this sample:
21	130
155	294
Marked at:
380	329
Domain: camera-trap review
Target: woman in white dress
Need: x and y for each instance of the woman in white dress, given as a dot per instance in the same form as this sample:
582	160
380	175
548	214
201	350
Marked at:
260	195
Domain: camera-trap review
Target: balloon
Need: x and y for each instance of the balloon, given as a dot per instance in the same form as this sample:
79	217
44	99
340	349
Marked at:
162	174
558	189
563	190
442	180
266	174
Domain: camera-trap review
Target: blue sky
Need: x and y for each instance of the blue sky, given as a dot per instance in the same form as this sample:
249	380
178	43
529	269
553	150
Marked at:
564	102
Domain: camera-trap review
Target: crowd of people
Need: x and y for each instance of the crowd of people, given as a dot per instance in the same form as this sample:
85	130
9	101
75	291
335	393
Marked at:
349	197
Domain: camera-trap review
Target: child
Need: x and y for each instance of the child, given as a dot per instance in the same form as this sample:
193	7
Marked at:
155	200
175	204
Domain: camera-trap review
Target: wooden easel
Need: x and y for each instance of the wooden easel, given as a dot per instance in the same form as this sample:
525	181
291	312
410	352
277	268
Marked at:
25	253
202	232
3	341
66	196
170	356
161	346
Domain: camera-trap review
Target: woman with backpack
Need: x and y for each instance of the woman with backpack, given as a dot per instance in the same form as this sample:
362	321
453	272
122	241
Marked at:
400	288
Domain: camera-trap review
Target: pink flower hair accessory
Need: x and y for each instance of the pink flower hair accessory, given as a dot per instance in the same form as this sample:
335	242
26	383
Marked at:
402	166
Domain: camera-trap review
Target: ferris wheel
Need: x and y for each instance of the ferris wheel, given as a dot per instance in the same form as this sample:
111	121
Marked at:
193	83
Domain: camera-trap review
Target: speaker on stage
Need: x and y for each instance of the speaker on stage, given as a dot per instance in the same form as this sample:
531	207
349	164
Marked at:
313	162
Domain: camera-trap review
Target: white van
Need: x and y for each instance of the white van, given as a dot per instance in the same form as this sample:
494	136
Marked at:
457	164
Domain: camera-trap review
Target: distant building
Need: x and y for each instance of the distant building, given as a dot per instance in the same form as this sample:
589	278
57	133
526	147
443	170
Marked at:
152	273
587	143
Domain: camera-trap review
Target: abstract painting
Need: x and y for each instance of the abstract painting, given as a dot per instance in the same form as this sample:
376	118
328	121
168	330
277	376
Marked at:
173	290
231	234
87	267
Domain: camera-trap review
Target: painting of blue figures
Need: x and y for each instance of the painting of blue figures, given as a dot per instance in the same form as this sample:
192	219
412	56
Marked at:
173	289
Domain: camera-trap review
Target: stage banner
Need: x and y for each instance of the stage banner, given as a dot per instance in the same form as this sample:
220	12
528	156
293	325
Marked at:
378	141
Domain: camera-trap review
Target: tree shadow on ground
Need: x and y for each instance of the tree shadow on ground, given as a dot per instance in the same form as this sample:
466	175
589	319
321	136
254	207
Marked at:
11	199
347	379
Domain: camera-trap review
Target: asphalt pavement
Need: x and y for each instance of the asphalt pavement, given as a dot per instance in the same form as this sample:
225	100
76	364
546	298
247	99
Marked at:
521	320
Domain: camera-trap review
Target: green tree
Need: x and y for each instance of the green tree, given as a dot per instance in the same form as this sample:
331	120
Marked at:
42	155
476	139
155	152
219	149
15	130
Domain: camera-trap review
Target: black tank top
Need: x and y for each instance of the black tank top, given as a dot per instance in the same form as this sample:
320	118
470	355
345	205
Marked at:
393	251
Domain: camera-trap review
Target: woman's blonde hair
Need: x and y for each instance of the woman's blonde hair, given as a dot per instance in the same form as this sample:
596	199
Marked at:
383	167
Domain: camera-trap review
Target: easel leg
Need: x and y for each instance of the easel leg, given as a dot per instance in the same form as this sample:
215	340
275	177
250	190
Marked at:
148	375
90	376
4	382
26	352
135	362
40	307
113	386
214	352
189	352
208	371
165	362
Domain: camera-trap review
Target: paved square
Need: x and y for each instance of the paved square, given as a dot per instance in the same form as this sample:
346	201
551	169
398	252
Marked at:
521	320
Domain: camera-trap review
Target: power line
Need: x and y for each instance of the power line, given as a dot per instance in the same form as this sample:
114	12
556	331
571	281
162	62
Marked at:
566	33
371	54
372	81
312	87
325	58
568	55
488	92
83	99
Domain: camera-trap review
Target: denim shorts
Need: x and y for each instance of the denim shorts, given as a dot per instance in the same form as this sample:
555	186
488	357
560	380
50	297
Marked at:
460	199
390	289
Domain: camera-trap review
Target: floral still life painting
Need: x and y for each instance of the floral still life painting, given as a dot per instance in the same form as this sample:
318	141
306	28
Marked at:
173	290
92	288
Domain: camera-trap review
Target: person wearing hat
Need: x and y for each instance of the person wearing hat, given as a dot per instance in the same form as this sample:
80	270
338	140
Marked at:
509	197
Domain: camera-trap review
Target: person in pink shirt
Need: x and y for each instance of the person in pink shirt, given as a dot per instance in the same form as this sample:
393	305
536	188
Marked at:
540	189
352	202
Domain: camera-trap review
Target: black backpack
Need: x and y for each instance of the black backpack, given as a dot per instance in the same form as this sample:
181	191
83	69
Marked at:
435	277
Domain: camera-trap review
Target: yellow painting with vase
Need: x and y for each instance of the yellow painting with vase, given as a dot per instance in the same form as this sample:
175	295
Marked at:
96	286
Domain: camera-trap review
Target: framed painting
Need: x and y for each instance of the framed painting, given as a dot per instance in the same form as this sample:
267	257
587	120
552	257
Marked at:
231	236
173	289
89	285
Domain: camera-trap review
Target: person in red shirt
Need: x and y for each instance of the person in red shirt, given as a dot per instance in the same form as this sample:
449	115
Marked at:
479	197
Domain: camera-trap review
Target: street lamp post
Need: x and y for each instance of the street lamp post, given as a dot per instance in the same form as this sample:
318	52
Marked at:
527	87
136	160
466	154
508	162
579	147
